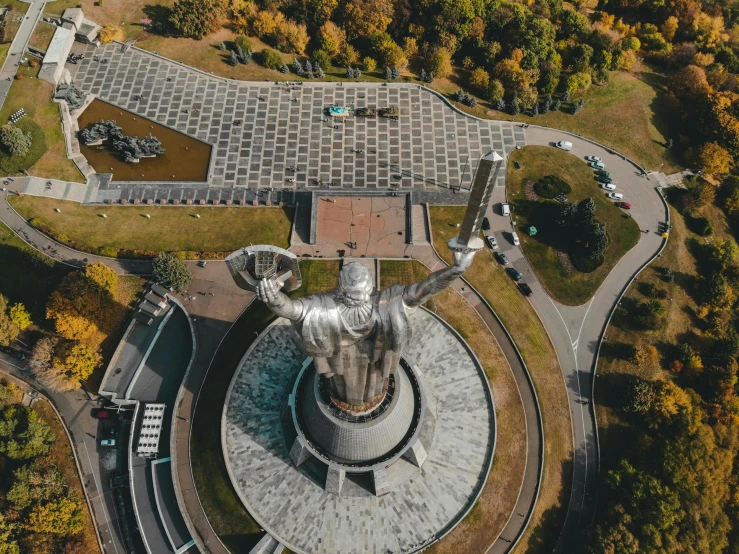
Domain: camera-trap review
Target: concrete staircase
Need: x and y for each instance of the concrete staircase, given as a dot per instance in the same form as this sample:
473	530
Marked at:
268	545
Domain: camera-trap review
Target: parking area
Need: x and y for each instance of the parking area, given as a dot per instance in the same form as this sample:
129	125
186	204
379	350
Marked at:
267	135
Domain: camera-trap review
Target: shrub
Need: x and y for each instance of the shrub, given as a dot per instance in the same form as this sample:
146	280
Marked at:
271	59
10	165
244	43
586	264
369	64
322	58
109	33
700	225
171	271
551	186
109	251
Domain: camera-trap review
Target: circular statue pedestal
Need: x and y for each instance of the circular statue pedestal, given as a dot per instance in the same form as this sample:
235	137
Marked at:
303	506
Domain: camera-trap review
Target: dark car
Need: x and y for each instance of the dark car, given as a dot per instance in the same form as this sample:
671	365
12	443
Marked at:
12	352
514	273
525	289
502	258
485	224
603	179
602	172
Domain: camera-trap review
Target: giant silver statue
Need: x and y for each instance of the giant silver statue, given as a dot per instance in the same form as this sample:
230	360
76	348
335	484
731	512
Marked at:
355	333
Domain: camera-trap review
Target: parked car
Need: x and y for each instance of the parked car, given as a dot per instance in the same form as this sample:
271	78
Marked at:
505	208
502	258
563	145
525	289
623	205
485	224
12	352
101	413
514	239
615	196
608	186
603	172
603	179
107	442
593	159
514	273
597	165
491	242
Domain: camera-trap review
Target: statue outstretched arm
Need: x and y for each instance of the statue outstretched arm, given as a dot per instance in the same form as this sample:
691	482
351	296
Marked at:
419	293
277	301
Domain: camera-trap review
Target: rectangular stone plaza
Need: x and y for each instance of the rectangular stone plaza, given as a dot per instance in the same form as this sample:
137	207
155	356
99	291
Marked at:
260	130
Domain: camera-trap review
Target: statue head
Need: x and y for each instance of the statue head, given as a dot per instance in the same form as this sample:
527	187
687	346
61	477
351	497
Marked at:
355	284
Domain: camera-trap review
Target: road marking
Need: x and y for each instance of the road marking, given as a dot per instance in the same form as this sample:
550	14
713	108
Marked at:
574	347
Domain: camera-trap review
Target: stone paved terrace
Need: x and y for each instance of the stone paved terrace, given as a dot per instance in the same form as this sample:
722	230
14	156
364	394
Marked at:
292	504
431	147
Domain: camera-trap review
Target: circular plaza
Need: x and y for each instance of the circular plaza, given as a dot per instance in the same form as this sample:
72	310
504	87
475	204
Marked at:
419	502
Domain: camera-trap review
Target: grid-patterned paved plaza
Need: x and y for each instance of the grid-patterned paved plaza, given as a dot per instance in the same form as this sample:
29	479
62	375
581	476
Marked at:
259	130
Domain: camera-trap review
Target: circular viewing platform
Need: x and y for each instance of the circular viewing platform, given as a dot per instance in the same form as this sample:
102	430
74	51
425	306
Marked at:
315	502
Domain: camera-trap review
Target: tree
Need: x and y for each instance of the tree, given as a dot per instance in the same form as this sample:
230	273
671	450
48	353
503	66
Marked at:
577	82
722	253
364	18
395	73
9	331
388	74
331	38
16	142
242	42
20	316
649	315
479	79
423	75
34	484
713	158
347	55
271	59
43	354
441	63
171	271
557	105
495	90
80	304
61	517
322	58
535	110
642	397
109	33
73	362
233	60
369	64
196	18
669	28
23	434
8	536
514	107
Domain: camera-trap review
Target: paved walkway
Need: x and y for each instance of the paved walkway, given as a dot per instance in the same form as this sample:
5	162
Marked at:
18	46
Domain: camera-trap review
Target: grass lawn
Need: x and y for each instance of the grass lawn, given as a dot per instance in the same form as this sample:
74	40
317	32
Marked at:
60	455
631	114
498	498
538	161
231	522
42	34
17	10
529	334
34	95
171	228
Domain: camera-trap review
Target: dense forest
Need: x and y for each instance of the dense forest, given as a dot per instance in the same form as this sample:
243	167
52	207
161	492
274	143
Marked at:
528	56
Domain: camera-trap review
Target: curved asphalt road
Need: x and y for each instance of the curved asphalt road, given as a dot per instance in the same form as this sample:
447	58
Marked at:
575	331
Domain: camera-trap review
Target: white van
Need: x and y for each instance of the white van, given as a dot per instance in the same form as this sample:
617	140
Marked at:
563	145
615	196
514	238
505	208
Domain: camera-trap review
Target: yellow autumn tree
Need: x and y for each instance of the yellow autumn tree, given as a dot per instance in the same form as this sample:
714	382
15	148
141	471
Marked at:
109	33
60	517
713	158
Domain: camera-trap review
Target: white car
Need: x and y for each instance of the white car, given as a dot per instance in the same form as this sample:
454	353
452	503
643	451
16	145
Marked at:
593	159
505	208
563	145
492	243
597	165
514	239
615	196
608	186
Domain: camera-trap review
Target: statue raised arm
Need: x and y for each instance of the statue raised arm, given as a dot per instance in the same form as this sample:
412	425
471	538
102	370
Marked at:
268	291
419	293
